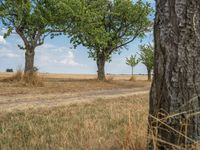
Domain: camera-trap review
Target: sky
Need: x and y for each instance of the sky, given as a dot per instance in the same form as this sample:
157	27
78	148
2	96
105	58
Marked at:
57	56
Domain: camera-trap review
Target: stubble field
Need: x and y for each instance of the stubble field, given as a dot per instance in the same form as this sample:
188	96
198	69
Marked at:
74	112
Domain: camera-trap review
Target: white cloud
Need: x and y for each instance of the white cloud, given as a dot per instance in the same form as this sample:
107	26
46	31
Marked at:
46	47
10	55
70	59
59	57
9	51
2	40
3	30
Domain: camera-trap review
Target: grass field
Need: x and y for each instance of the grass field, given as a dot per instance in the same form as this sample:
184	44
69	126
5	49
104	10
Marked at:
76	112
99	123
58	83
81	76
102	125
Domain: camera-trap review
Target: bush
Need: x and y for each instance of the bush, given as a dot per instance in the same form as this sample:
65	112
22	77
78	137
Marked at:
17	77
9	70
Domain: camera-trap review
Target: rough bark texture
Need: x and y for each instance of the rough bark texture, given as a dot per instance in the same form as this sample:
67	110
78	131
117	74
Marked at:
101	67
29	60
176	83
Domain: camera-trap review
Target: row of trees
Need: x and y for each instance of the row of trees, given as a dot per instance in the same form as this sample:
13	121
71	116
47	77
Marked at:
104	27
146	58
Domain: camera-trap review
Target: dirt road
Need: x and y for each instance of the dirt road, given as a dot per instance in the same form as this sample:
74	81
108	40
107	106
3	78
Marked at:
21	102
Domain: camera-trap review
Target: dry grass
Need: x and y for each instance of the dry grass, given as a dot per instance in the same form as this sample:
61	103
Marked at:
182	134
16	77
57	84
114	124
133	78
82	76
101	125
32	79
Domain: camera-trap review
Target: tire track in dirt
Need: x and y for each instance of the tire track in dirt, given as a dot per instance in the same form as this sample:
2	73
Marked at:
50	100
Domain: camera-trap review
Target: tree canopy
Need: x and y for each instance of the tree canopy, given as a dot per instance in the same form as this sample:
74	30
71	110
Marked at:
106	27
111	25
147	55
31	20
132	61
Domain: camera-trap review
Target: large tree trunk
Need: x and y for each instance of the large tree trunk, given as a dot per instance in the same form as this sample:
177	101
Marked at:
101	67
29	60
149	74
176	82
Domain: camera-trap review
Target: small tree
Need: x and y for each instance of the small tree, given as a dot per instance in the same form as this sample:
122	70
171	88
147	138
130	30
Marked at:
147	58
30	19
132	61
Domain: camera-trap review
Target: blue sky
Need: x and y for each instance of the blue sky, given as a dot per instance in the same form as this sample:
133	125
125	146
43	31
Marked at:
57	56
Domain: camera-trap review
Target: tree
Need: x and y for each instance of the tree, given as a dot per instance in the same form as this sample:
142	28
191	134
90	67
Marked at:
30	19
106	27
132	61
147	57
175	92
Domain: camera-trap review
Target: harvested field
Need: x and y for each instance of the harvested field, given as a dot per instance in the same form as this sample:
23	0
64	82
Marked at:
102	125
74	112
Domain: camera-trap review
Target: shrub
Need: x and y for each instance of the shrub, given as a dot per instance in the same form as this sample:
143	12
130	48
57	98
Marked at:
9	70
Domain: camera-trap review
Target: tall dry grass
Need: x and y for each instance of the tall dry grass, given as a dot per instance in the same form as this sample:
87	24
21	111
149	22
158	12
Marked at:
184	142
102	125
28	79
114	124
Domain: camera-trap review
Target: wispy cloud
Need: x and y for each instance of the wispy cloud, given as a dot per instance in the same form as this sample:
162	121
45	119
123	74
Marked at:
2	40
51	55
70	59
9	55
3	31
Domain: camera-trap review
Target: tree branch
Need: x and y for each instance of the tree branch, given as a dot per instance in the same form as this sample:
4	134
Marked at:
18	30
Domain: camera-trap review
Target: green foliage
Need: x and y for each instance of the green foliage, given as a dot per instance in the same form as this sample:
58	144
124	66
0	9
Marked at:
132	61
66	14
29	18
105	27
147	55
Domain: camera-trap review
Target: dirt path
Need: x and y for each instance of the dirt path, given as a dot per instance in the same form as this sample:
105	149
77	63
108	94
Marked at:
20	102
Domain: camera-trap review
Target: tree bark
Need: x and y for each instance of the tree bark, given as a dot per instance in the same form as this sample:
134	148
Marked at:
101	67
176	83
29	60
149	74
